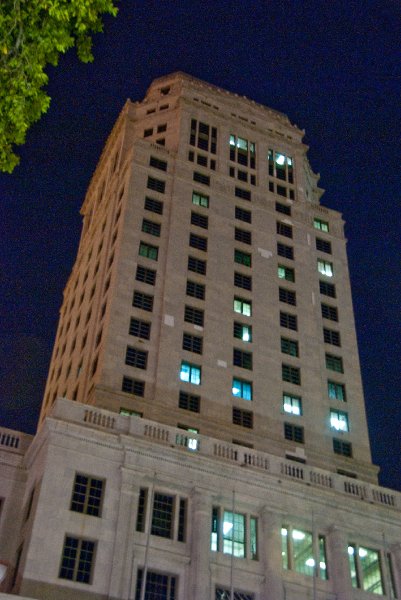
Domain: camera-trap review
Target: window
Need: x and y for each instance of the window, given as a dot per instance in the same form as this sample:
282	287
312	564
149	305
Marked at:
286	273
159	586
148	132
285	251
196	290
289	346
242	359
280	166
199	220
289	321
336	391
162	128
284	209
327	289
329	312
133	386
203	136
284	229
228	534
196	265
189	402
243	215
242	258
141	512
196	241
77	559
243	236
323	246
325	267
200	199
156	184
193	315
162	515
339	420
241	193
321	225
225	594
156	162
145	275
151	227
334	363
291	374
201	178
192	343
331	337
136	358
287	296
343	448
87	495
140	329
294	433
143	301
244	307
292	404
153	205
365	569
242	151
242	389
190	373
243	332
243	281
148	251
304	552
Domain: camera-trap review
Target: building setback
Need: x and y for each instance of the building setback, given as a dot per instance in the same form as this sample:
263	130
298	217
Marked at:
203	432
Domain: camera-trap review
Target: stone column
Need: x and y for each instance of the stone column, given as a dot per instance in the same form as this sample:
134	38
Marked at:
270	555
338	564
199	569
395	551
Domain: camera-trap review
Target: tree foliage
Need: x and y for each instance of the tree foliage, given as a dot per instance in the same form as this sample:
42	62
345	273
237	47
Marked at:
33	34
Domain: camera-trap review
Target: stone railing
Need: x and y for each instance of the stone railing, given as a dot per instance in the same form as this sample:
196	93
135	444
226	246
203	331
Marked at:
14	441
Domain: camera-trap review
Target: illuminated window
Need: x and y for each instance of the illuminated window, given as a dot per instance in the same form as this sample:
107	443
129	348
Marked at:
280	166
244	307
292	404
304	552
229	534
339	420
200	199
242	389
242	151
321	225
225	594
365	569
243	332
148	251
190	373
325	267
336	391
242	258
286	273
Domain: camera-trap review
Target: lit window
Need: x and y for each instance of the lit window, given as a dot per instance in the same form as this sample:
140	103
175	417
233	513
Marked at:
321	225
190	373
243	332
242	151
339	420
228	534
365	569
325	268
200	199
280	166
244	307
225	594
242	389
336	391
148	251
242	258
292	404
286	273
304	552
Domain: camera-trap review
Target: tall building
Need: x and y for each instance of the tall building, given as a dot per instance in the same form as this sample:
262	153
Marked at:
203	418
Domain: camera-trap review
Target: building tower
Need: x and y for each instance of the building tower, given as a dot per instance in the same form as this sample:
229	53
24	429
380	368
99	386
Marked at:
204	414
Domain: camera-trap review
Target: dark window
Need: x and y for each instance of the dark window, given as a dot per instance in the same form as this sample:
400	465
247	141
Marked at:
145	275
327	289
334	363
243	215
162	516
153	205
161	141
336	391
193	315
242	281
289	321
243	417
133	386
136	358
199	220
197	241
242	359
331	337
157	163
143	301
294	433
287	296
283	208
192	343
151	227
191	155
289	347
189	402
291	374
243	236
139	328
182	512
242	332
285	251
158	586
201	160
196	290
87	495
141	512
201	178
196	265
323	245
244	194
329	312
281	190
242	175
148	132
148	251
242	258
77	559
162	128
284	229
342	447
156	184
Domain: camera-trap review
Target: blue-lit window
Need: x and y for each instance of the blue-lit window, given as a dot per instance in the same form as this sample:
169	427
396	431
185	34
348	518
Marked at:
242	389
190	373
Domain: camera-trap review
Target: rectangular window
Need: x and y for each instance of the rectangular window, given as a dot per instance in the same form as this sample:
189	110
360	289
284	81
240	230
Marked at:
365	569
151	227
148	132
243	236
323	246
242	151
148	251
342	447
244	418
153	205
243	307
321	225
291	374
159	586
133	386
196	265
243	215
327	289
190	373
241	193
289	346
292	404
162	128
192	343
145	275
201	178
325	267
242	332
243	281
331	337
242	258
289	321
196	290
339	420
334	363
286	273
287	296
193	315
136	358
329	312
140	329
157	163
283	208
87	495
143	301
156	184
197	241
199	220
228	534
242	389
304	552
141	512
77	559
336	391
162	515
284	229
285	251
280	166
189	402
242	359
225	594
200	199
294	433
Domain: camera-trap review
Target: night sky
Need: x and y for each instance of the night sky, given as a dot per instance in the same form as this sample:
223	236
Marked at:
333	66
